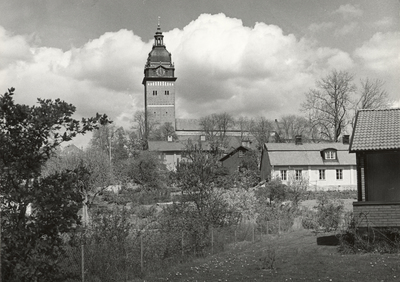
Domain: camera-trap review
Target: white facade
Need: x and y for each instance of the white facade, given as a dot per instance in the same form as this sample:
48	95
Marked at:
320	178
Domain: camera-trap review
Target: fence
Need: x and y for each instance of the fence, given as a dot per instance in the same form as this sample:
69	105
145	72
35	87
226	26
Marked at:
125	259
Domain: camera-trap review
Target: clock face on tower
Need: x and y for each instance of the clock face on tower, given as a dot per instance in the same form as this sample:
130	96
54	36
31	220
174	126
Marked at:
160	71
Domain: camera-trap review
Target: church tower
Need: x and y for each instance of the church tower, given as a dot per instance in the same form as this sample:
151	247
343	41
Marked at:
159	84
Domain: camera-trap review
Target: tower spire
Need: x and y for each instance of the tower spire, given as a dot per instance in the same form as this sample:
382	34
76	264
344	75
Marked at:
158	24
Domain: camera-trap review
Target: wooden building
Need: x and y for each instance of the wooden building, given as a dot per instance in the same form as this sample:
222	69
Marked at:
376	143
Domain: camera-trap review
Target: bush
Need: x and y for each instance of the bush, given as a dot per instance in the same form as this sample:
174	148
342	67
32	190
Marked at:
329	213
327	216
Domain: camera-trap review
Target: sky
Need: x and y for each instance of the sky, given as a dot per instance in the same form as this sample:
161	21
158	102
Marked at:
247	58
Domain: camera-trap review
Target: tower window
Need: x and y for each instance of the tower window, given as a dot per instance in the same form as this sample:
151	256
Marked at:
166	92
154	92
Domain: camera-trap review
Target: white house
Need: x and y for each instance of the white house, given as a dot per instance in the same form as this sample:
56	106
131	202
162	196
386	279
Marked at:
326	166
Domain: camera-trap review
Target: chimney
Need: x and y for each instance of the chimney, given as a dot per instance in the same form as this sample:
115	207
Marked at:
246	143
298	140
346	139
169	138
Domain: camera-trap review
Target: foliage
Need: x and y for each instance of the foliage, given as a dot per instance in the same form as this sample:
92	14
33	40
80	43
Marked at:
146	170
243	202
136	196
163	132
329	104
329	213
96	163
247	175
274	190
202	205
32	242
297	188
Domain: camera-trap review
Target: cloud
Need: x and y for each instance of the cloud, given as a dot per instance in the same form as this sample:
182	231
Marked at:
346	29
381	53
385	22
349	11
13	48
379	57
221	66
320	27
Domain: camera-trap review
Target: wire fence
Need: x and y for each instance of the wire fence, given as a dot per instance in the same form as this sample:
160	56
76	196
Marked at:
148	251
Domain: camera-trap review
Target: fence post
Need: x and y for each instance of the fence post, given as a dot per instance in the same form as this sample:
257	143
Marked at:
212	240
253	232
182	244
267	228
83	262
235	238
279	227
141	252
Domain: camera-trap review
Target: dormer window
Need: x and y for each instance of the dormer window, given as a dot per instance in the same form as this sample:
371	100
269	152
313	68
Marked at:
329	154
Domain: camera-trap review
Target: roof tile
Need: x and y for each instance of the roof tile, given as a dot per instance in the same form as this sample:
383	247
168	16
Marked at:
376	130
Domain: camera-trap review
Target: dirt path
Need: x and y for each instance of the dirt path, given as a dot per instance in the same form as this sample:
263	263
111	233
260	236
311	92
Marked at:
297	258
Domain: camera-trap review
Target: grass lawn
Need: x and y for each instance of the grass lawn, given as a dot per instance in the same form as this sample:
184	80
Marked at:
298	258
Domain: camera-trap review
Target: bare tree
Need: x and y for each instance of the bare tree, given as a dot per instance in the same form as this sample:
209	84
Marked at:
292	125
244	127
139	124
216	126
261	128
372	95
328	105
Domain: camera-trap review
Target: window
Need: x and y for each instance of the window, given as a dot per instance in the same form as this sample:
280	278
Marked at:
283	175
298	174
339	174
322	174
166	92
154	92
330	155
241	154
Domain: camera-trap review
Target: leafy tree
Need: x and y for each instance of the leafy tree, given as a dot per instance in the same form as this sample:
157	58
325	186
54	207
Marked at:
95	162
119	146
203	205
329	104
146	170
161	134
32	246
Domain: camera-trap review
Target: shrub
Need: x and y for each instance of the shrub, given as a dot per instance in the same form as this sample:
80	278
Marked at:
329	213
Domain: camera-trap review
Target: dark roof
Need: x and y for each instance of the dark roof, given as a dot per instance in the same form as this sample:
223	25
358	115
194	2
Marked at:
165	146
290	154
175	146
376	130
242	148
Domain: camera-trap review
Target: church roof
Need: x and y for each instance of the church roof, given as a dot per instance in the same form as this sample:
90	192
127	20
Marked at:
159	54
